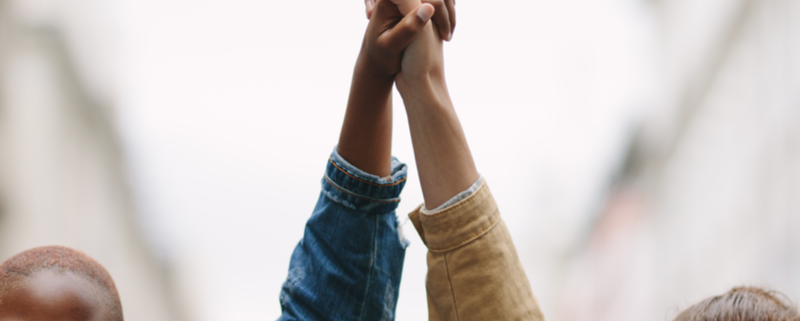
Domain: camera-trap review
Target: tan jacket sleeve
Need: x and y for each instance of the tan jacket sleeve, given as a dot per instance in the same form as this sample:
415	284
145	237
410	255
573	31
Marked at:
473	269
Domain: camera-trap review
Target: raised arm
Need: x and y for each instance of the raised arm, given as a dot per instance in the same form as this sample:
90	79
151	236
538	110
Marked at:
474	272
349	263
443	157
366	137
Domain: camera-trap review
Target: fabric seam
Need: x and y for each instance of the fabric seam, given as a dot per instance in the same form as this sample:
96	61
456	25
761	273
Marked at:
452	291
371	268
470	239
363	181
361	197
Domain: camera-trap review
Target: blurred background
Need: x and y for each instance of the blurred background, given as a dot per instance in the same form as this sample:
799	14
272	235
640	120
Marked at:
645	153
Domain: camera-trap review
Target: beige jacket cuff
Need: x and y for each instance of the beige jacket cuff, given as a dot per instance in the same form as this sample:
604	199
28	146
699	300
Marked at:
457	224
474	272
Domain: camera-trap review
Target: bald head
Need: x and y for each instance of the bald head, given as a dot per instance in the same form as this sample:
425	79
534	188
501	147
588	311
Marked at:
57	283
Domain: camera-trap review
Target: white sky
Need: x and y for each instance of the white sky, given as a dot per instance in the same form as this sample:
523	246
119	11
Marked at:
230	109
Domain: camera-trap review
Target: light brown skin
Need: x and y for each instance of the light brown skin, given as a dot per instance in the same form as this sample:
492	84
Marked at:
445	16
388	54
408	51
366	137
53	296
443	157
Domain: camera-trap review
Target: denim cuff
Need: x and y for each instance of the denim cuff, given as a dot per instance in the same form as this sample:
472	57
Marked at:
358	190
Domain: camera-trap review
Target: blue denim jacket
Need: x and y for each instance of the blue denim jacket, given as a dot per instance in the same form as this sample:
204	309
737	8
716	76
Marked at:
349	263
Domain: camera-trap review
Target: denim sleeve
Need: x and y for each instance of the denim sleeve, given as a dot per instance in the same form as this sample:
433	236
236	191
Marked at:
349	263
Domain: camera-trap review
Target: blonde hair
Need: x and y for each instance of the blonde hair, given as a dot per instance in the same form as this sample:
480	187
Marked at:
742	304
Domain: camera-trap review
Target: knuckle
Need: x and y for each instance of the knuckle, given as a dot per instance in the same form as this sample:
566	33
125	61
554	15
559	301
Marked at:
436	3
382	46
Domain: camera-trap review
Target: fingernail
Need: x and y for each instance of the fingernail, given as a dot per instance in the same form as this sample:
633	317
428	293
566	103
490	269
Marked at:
369	6
425	13
449	35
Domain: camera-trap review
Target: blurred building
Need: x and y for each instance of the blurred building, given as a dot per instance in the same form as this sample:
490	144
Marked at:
708	197
61	168
705	199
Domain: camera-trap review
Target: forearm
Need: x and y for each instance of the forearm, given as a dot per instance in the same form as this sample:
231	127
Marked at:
332	272
443	158
366	137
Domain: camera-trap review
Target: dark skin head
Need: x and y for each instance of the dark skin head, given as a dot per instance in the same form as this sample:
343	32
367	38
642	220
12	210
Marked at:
53	296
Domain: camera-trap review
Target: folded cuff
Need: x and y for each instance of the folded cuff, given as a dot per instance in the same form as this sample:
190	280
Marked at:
459	224
347	185
455	199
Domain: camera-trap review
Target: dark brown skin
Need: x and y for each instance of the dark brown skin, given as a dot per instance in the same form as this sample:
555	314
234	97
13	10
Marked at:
443	157
53	296
444	18
366	137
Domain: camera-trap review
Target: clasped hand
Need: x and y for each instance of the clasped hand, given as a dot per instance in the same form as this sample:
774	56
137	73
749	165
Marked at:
400	44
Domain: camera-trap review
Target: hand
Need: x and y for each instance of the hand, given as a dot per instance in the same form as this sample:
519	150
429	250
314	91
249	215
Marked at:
444	16
388	34
422	63
366	137
443	158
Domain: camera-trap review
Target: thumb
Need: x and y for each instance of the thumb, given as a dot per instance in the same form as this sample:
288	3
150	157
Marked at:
399	37
406	6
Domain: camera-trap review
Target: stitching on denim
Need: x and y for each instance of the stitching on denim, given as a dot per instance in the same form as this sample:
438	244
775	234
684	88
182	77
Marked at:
371	267
337	199
470	239
450	281
363	181
361	197
458	205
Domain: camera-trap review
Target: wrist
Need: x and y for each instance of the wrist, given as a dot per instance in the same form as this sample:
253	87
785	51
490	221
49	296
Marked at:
365	139
423	91
369	68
